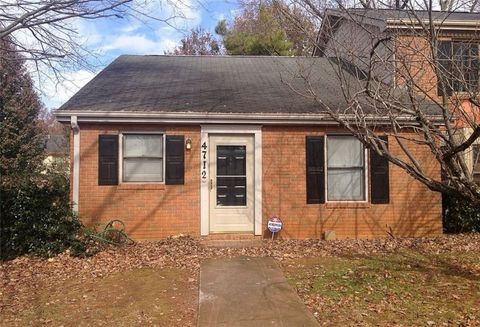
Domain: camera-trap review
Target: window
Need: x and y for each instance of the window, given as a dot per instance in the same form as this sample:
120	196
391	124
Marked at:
476	163
143	158
345	169
459	62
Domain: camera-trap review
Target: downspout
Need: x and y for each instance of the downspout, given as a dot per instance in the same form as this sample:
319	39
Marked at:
76	163
394	63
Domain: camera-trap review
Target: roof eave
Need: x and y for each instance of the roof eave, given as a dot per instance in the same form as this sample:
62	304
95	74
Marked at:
64	116
441	24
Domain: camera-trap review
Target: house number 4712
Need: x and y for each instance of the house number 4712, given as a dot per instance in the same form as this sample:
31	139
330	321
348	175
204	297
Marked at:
204	162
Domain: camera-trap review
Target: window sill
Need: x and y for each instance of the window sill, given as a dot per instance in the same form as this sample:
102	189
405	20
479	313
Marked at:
141	186
347	205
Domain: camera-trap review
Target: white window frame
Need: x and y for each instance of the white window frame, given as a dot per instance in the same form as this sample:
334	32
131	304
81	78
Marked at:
462	40
474	145
365	172
120	157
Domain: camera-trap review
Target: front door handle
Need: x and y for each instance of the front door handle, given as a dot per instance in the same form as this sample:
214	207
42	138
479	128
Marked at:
211	184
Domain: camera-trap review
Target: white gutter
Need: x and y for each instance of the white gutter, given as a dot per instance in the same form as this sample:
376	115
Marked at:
76	163
214	118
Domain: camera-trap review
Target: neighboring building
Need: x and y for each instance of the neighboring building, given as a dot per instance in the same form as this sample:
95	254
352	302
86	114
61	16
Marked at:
56	148
393	43
208	145
397	38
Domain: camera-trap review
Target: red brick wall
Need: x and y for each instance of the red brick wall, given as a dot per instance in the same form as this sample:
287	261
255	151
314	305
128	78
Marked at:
150	211
414	63
413	209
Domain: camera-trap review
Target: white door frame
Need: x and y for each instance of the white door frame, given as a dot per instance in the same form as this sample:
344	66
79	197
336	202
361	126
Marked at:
206	130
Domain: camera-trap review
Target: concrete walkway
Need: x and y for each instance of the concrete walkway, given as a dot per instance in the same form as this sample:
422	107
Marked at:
245	291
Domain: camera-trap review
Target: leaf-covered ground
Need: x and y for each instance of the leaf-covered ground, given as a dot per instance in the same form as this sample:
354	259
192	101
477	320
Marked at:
160	297
408	288
376	282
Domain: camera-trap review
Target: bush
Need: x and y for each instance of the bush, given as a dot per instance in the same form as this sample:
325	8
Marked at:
460	215
36	216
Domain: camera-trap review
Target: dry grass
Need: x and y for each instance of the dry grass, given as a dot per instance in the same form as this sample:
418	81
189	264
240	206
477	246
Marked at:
407	288
159	297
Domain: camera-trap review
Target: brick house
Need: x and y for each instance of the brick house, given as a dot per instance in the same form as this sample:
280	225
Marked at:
217	145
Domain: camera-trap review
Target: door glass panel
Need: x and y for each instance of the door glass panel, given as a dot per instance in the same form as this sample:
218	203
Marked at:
231	175
231	191
231	160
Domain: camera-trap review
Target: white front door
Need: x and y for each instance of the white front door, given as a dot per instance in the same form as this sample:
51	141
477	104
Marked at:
231	185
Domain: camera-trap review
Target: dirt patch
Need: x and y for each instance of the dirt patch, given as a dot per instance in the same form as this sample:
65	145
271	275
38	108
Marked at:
166	297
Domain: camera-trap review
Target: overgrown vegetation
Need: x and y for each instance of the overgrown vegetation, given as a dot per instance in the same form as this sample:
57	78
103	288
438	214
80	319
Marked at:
460	215
36	216
38	220
34	198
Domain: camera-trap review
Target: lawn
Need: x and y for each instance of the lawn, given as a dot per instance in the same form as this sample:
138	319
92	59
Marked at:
151	283
384	282
160	297
406	288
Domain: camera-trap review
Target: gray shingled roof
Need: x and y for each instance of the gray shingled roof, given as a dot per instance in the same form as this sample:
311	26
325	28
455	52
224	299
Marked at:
221	84
211	84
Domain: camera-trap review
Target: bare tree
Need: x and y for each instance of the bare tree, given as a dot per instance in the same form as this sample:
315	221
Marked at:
408	82
198	42
44	33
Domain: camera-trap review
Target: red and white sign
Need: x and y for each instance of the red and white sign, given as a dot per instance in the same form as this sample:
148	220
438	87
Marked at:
274	224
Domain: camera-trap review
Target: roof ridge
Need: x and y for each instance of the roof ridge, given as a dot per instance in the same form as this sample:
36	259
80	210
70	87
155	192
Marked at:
212	56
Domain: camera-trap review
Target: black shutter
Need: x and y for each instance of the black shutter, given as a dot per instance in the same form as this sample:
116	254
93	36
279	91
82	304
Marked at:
175	159
380	184
315	169
107	159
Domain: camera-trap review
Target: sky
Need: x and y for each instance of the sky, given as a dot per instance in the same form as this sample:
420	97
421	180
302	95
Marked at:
111	37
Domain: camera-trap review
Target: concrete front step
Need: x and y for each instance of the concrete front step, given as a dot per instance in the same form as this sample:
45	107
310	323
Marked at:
231	240
232	243
231	236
